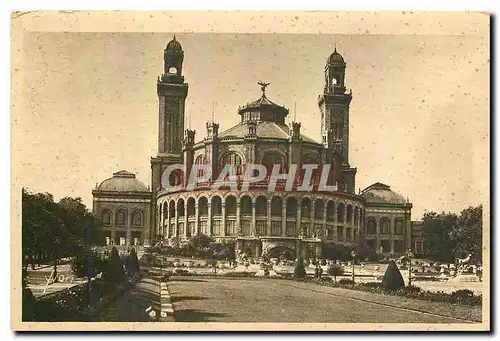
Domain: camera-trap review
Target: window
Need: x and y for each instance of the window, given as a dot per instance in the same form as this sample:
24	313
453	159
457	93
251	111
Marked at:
385	225
137	218
106	218
172	70
399	227
371	226
121	217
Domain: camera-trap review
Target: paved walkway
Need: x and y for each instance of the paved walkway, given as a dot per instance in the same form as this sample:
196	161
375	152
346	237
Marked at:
255	300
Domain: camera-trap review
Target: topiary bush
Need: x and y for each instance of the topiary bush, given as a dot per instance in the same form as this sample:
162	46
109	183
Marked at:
300	270
392	278
86	264
114	272
335	270
132	263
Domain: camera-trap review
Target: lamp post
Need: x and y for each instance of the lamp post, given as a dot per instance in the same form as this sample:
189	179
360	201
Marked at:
353	254
409	253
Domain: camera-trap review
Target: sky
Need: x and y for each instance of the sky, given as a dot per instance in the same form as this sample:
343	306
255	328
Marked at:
419	118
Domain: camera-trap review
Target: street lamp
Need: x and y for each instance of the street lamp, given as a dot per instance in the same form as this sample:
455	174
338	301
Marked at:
353	254
409	253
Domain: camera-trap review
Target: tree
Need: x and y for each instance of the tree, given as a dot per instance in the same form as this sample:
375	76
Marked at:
438	230
392	278
300	270
468	233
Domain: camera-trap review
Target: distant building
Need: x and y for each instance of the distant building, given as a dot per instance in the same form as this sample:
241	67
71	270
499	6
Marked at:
123	204
417	237
261	222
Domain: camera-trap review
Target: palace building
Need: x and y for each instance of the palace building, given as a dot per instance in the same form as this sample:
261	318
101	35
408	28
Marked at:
256	220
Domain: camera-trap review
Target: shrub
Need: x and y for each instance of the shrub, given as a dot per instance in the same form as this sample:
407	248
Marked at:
335	270
132	263
300	270
392	278
114	272
86	265
346	281
372	284
462	295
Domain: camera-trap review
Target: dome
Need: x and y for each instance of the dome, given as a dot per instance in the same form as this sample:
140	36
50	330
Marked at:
381	193
336	57
123	181
174	46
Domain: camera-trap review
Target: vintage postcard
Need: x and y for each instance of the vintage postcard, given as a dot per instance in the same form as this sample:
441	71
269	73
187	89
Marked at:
250	171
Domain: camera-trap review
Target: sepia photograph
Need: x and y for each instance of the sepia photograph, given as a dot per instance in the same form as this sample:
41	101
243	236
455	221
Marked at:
250	171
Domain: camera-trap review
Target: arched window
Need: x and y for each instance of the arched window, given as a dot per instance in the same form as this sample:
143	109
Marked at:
172	70
230	205
273	158
349	213
216	206
171	207
319	209
291	207
261	206
305	209
121	217
399	227
137	218
246	206
106	217
203	206
385	226
330	211
175	177
165	210
340	212
233	159
276	207
180	208
190	207
200	160
341	185
371	226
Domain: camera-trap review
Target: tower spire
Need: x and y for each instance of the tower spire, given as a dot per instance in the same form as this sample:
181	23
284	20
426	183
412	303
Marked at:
295	111
213	111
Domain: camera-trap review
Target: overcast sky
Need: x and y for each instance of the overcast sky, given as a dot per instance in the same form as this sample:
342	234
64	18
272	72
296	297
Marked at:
419	118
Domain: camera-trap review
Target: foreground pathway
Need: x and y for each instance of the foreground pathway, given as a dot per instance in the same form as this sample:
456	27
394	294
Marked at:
253	300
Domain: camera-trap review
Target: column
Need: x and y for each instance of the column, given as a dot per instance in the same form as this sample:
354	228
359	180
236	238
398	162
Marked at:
238	218
313	217
353	225
323	223
345	222
335	234
391	236
209	218
223	214
128	235
168	222
197	219
268	233
299	216
283	217
185	218
378	234
254	220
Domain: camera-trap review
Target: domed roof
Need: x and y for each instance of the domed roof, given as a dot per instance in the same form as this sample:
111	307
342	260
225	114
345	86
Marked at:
336	57
174	46
123	181
381	193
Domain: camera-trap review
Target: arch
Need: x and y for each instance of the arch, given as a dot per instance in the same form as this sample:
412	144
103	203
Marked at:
319	208
282	252
349	214
106	217
191	206
121	217
276	207
230	205
137	218
261	206
180	208
216	205
203	206
165	210
200	160
330	211
291	207
246	205
305	208
271	158
340	212
175	177
399	226
371	226
171	208
385	225
172	70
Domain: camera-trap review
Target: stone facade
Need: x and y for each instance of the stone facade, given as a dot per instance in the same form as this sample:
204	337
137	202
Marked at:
124	206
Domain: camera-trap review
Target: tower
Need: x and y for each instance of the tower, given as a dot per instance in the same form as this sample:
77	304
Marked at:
334	106
172	92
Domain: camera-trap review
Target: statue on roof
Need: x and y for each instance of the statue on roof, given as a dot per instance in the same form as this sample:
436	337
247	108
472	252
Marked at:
263	87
